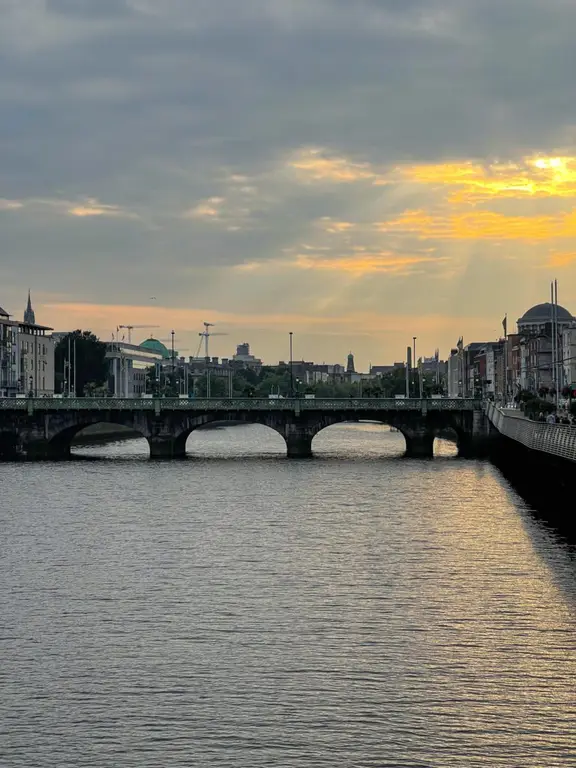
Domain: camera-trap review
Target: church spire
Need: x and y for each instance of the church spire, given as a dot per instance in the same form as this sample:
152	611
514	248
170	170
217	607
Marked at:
29	316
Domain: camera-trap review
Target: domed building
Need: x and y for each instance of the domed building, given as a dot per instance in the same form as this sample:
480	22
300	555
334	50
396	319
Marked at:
541	361
153	345
538	317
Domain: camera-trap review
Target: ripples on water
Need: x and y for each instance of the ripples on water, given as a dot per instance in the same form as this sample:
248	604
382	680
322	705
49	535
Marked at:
247	610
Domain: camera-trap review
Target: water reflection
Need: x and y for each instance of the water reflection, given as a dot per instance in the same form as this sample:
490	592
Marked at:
363	440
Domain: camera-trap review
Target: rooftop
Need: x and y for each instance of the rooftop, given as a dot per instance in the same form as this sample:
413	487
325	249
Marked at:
153	345
542	313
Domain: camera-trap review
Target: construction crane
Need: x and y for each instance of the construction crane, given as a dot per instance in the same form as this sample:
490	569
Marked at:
130	328
207	335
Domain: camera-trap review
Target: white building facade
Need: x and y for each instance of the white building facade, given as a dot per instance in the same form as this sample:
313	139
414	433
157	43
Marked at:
127	367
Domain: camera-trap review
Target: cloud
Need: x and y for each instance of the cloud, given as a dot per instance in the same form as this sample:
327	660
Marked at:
367	264
10	205
482	225
328	224
468	182
187	138
210	209
316	165
81	209
356	264
92	207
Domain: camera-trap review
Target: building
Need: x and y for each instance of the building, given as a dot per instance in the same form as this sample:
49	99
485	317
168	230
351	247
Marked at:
384	370
245	358
350	368
569	355
323	373
26	355
128	364
433	365
29	314
537	320
537	347
454	376
9	367
473	368
492	385
513	363
36	358
156	346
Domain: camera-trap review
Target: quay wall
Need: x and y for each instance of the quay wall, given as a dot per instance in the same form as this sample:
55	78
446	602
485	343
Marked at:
539	461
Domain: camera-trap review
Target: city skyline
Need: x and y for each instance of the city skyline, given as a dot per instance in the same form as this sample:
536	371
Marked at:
282	166
224	344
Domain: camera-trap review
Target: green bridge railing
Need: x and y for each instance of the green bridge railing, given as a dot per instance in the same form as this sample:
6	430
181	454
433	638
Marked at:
157	404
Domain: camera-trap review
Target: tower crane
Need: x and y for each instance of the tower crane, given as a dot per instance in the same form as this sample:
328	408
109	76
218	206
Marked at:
207	335
130	328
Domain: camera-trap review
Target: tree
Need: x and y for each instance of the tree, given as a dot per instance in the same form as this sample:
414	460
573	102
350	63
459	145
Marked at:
217	386
90	364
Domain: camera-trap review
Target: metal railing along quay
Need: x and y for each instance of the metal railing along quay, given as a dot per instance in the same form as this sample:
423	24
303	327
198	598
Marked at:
555	439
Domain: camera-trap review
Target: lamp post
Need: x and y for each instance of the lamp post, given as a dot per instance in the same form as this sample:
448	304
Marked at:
173	387
415	365
291	368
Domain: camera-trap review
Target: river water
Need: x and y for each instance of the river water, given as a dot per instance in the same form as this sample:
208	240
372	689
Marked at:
241	609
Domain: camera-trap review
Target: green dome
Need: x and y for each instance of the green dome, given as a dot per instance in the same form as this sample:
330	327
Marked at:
153	345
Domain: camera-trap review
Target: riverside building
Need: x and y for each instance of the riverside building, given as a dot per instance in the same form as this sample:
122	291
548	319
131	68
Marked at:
26	356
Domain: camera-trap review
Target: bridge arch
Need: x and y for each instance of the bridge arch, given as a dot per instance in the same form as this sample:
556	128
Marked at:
240	441
375	431
418	435
60	444
447	442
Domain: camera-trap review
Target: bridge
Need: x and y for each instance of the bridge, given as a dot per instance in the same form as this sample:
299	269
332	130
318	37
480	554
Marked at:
44	428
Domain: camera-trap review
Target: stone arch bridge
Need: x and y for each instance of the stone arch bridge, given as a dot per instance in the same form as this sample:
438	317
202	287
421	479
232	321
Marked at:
44	428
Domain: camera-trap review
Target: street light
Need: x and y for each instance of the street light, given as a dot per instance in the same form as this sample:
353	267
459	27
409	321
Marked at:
291	368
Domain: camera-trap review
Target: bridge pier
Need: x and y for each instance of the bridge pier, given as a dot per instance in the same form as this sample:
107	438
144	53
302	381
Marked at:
9	446
53	450
298	441
473	447
166	448
419	446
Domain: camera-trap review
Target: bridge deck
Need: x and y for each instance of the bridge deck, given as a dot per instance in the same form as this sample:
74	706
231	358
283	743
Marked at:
247	403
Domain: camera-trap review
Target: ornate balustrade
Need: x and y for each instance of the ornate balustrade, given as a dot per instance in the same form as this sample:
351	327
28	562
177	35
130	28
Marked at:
235	404
556	439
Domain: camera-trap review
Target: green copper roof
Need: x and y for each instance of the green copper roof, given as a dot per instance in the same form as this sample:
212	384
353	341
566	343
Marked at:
156	346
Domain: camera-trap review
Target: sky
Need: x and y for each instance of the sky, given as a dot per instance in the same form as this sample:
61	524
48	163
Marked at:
358	172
